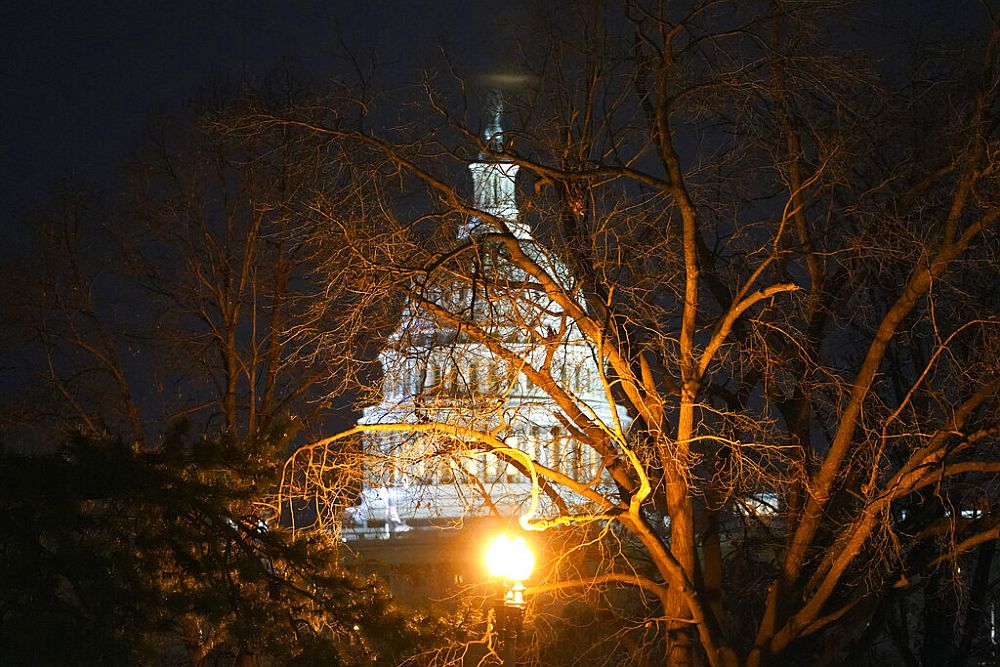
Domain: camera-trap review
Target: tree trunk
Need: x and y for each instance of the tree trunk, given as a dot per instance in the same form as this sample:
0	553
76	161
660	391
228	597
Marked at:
680	643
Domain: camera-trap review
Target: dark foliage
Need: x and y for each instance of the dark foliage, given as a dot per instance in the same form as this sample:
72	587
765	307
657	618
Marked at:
118	556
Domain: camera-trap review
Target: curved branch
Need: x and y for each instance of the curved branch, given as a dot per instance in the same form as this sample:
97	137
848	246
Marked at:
659	590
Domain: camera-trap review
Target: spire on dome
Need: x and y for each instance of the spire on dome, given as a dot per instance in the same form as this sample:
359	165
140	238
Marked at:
493	134
493	175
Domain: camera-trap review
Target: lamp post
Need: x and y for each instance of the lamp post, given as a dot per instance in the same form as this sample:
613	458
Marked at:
511	560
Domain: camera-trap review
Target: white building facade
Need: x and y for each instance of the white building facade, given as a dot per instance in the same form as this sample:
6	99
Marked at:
436	374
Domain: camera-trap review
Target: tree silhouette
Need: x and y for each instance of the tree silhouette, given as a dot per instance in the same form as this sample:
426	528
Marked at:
118	556
782	262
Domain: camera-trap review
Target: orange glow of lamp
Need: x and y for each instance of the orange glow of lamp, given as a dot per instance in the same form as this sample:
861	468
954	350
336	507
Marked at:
510	559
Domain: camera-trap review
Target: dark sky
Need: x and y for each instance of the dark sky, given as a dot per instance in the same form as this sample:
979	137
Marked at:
81	80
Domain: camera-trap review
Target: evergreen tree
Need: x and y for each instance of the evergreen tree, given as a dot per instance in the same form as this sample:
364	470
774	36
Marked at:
120	556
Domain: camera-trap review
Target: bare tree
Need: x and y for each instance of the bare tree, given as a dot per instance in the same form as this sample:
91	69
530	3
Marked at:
186	300
186	305
781	265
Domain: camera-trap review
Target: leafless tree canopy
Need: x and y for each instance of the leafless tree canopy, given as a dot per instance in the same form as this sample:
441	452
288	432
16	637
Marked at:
782	259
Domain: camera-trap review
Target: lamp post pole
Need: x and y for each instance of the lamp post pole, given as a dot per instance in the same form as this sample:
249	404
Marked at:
511	621
513	561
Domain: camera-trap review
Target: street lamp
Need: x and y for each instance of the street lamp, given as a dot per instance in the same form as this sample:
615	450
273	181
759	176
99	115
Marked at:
511	560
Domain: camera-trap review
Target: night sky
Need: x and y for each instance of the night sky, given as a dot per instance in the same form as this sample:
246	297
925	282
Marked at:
81	80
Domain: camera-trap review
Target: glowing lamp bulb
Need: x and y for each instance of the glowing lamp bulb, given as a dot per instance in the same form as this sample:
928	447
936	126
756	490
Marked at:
509	558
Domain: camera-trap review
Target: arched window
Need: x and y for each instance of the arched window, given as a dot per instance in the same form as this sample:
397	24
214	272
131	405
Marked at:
555	448
474	378
493	379
490	467
507	472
